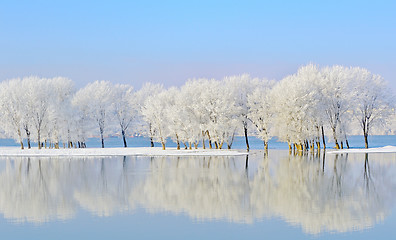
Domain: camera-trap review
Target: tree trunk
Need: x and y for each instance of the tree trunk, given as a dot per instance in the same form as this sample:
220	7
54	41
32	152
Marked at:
232	140
323	139
163	145
151	136
123	138
28	137
366	140
203	140
177	142
38	139
246	138
101	137
20	138
266	146
210	140
337	146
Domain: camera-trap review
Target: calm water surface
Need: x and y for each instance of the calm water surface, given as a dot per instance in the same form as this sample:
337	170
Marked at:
263	196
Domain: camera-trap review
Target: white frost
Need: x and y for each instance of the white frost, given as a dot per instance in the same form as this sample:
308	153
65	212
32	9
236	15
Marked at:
386	149
145	151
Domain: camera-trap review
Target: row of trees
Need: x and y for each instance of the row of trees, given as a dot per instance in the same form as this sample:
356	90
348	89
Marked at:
299	109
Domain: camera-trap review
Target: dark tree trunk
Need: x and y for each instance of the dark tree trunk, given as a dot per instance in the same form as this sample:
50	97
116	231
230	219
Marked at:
335	139
210	140
123	138
366	140
323	139
38	139
151	136
246	138
101	137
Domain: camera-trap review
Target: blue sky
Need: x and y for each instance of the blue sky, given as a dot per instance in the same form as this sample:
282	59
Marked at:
171	41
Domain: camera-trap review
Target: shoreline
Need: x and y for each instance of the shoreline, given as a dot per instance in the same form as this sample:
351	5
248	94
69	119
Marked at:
132	151
386	149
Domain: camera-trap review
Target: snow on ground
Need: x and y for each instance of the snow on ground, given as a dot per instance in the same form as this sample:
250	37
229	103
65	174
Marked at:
386	149
144	151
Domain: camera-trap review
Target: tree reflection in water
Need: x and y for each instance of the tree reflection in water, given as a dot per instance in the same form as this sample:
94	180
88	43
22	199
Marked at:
315	191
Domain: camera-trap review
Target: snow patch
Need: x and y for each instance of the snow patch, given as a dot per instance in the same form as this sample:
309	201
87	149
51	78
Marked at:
386	149
145	151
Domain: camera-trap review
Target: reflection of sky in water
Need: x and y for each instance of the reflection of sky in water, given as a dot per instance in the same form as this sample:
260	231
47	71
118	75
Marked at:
298	194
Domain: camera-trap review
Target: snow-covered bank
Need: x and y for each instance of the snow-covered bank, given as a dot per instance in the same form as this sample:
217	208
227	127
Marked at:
386	149
15	151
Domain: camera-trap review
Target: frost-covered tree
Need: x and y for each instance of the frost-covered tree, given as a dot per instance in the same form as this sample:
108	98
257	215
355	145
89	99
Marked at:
154	112
195	100
124	108
309	77
289	111
337	92
372	103
60	111
260	114
297	108
11	103
95	100
240	87
40	95
217	111
147	90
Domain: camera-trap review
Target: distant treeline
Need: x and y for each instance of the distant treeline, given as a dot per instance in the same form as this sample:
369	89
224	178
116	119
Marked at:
300	109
